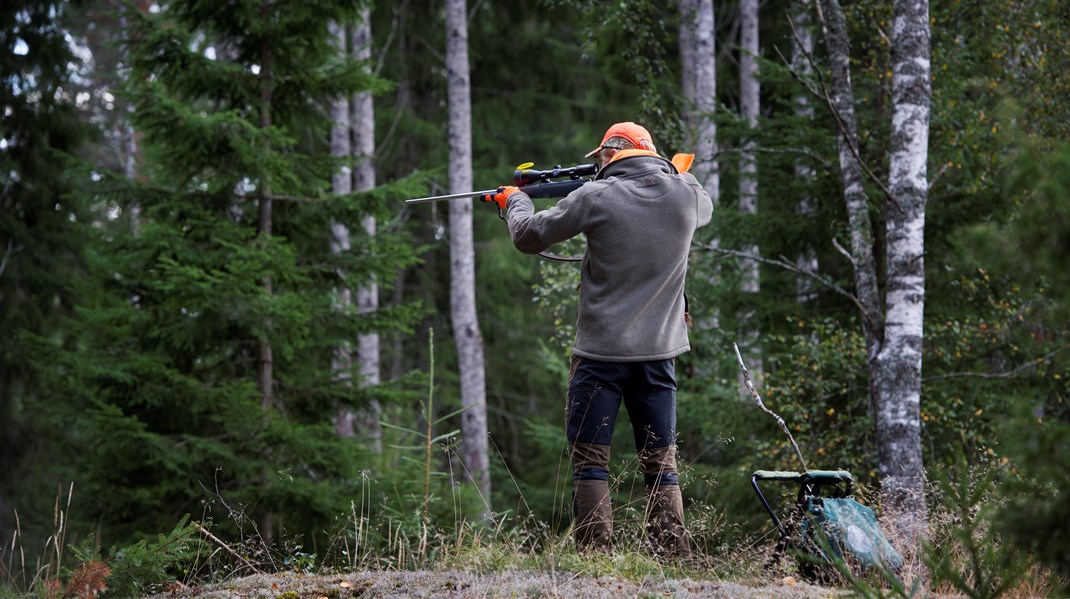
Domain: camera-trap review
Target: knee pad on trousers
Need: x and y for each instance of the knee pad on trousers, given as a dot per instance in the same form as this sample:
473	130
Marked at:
590	461
659	466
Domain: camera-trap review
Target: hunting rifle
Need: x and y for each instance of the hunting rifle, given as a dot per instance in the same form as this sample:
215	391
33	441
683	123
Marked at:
535	183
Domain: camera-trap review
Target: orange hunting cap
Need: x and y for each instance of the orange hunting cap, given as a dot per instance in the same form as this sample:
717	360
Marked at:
636	134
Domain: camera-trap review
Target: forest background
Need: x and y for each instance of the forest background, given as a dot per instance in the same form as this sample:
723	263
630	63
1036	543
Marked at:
187	288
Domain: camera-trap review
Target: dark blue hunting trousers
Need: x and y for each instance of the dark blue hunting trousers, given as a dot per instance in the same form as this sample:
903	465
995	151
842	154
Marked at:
596	391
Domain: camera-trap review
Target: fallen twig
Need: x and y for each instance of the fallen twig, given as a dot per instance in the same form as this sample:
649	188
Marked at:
211	537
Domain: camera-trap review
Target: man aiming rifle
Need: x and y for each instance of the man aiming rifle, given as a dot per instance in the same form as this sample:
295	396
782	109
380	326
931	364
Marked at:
639	215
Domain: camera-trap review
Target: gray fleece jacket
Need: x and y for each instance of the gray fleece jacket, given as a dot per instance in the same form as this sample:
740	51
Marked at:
639	216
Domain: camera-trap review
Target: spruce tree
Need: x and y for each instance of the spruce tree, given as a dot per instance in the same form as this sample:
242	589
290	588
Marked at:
205	370
41	241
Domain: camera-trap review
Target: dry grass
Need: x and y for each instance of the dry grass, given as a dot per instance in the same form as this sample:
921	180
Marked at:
464	584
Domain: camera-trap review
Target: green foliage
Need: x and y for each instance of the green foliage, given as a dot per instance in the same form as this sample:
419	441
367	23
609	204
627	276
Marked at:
154	381
972	557
633	41
1026	254
139	568
1036	515
130	358
818	388
42	227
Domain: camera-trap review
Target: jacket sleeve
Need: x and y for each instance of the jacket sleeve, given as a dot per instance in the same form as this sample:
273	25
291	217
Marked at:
703	203
535	232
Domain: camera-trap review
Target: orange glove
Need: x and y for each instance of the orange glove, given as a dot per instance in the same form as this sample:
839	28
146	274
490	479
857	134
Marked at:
501	197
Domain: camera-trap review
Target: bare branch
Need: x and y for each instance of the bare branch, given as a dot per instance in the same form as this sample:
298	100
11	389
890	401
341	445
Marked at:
994	375
844	251
786	265
226	548
381	60
884	36
12	249
826	99
781	263
288	198
939	173
809	154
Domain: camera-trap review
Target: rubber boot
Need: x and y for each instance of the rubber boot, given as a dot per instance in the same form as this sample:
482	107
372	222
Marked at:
665	522
593	530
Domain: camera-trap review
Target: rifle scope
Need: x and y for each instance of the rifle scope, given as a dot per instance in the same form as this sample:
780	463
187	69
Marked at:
528	176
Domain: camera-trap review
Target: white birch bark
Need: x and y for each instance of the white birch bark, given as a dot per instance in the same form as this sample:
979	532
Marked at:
802	48
362	130
341	183
894	335
898	372
750	108
465	324
700	89
688	23
698	56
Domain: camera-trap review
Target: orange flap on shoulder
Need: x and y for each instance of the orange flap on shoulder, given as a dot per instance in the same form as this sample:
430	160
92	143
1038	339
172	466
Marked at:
682	162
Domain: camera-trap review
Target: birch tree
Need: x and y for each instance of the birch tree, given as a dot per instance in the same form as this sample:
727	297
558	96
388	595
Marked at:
362	133
341	184
898	366
750	108
698	58
802	48
698	54
463	316
893	334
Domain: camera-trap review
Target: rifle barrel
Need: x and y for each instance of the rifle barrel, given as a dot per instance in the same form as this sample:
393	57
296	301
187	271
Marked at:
452	196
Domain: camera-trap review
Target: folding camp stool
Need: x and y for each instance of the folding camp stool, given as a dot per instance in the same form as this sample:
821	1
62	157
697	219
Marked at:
826	525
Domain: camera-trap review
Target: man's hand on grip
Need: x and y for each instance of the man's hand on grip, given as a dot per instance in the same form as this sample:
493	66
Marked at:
501	196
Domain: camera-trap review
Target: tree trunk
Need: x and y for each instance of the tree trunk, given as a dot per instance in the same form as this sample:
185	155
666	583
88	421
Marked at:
802	49
363	132
698	56
898	370
466	332
341	184
700	88
750	108
265	353
893	346
851	177
688	64
130	148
